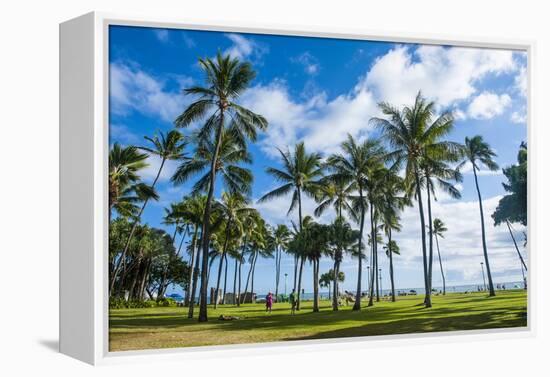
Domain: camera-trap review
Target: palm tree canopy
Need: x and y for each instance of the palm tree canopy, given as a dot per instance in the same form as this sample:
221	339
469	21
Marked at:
439	227
478	152
226	79
393	246
300	173
168	147
231	155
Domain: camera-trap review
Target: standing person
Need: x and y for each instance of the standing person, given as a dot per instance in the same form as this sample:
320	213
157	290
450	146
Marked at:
292	300
268	302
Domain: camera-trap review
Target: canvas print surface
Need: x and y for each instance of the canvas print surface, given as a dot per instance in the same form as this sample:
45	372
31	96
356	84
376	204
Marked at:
269	188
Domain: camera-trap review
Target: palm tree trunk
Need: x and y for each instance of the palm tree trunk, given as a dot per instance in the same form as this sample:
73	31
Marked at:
235	281
299	293
428	293
196	272
430	227
203	310
253	273
224	279
375	254
485	254
516	245
357	304
191	266
390	251
220	266
315	286
295	272
277	271
336	269
133	230
238	298
440	264
248	278
372	259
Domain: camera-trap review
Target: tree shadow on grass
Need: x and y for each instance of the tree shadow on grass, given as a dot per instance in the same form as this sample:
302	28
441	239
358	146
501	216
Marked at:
423	325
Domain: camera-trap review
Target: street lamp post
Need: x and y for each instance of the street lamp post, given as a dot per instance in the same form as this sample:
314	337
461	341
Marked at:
483	274
285	282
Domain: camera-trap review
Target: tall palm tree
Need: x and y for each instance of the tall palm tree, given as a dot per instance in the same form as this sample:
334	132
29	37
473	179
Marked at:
226	79
300	174
412	135
335	194
435	171
479	153
354	167
438	229
281	237
166	147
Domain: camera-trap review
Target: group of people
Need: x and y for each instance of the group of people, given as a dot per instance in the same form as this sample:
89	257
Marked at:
291	299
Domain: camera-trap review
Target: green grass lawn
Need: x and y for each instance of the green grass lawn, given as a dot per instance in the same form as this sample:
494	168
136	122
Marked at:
134	329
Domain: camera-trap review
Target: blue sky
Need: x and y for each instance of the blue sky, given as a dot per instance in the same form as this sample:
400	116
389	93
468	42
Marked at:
319	90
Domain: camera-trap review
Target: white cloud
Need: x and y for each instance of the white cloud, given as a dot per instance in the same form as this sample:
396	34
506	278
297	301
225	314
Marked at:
309	62
122	134
444	74
487	105
132	89
520	81
244	48
188	41
150	172
519	116
162	35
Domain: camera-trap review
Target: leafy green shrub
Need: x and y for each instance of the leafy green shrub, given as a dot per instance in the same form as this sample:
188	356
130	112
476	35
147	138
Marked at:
166	302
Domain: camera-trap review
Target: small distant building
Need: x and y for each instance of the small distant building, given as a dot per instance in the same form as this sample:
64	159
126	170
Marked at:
248	298
213	296
230	298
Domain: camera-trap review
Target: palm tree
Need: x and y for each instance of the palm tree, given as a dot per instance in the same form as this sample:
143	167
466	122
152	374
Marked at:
281	237
413	135
166	147
226	79
300	174
124	165
335	194
232	208
435	171
354	167
438	230
479	153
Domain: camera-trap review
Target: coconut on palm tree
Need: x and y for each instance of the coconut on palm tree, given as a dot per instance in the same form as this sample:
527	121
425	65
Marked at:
300	175
478	153
354	167
217	101
438	229
166	147
413	135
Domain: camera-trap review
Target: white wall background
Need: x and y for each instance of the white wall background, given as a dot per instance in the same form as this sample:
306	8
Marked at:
29	184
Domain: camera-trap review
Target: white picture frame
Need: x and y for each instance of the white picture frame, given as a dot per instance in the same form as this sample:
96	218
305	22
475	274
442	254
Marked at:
84	197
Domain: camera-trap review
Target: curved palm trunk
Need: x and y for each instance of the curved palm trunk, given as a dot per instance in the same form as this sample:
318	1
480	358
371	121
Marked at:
238	298
516	245
336	270
196	272
440	264
375	253
431	242
220	267
315	285
132	232
390	251
428	293
372	260
485	254
203	309
163	285
235	281
299	292
224	279
191	266
295	272
277	271
357	304
253	271
248	278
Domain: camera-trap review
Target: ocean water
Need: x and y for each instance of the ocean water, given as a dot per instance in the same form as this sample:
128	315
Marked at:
324	294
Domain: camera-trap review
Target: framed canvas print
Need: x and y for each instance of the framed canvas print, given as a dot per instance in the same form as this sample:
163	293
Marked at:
225	187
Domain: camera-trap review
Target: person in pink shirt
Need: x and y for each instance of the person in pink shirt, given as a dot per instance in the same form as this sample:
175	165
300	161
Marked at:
268	302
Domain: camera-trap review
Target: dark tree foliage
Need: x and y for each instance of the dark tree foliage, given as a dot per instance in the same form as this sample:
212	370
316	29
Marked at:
513	206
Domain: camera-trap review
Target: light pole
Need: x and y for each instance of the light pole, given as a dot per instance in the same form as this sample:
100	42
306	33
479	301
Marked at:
483	274
285	282
381	289
368	281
